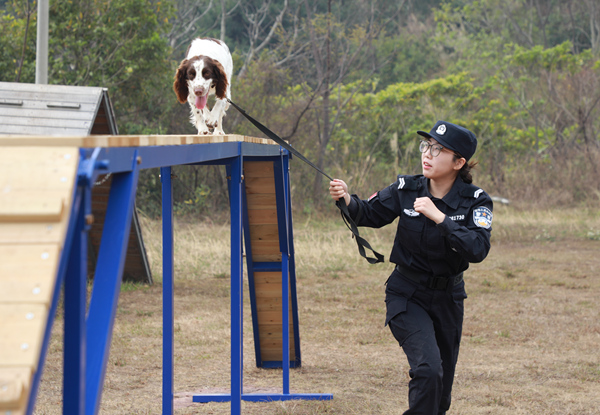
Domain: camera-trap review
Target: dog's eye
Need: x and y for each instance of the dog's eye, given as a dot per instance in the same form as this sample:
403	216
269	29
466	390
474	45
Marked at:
192	74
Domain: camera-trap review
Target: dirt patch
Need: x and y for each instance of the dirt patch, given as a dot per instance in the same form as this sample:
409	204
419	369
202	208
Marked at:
530	343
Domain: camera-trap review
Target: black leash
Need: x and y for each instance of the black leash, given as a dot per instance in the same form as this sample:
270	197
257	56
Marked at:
341	203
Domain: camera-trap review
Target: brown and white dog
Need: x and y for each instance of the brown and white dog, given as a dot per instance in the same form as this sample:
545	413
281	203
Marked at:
205	71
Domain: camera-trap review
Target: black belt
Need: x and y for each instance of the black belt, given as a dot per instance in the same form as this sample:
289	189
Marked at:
432	282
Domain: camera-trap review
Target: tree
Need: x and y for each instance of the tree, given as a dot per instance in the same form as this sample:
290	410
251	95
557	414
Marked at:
17	41
328	47
117	45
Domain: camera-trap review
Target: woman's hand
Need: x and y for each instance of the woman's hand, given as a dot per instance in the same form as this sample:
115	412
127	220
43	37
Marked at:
425	206
339	189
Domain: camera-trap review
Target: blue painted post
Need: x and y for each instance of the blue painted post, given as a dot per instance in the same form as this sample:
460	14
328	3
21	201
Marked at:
168	289
107	282
285	325
75	308
292	261
235	200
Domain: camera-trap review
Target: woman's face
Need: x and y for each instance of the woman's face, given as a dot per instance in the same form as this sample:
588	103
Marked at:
441	166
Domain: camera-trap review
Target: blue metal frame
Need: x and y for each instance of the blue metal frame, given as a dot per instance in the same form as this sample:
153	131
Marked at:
87	340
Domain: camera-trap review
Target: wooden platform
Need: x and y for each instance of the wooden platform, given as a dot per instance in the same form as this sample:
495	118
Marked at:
92	141
35	201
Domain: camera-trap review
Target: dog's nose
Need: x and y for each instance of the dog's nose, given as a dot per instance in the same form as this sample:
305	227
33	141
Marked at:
199	92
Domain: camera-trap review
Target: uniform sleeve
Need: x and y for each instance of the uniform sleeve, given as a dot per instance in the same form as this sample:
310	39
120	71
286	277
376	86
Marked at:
381	209
472	241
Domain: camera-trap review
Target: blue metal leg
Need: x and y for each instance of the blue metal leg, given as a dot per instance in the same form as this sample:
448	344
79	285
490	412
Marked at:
236	286
285	325
284	243
292	261
107	282
168	287
75	309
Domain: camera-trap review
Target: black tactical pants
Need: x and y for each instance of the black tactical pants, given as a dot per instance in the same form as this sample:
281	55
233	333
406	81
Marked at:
427	324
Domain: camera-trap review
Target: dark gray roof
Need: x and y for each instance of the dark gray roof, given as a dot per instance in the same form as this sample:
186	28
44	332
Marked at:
33	109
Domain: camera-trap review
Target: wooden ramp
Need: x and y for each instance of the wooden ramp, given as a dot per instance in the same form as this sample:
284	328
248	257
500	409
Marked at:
265	285
36	189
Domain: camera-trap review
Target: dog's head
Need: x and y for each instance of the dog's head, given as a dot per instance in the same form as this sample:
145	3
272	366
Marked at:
198	76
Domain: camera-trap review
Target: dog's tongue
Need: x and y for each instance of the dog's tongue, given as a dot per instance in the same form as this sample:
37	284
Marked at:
201	101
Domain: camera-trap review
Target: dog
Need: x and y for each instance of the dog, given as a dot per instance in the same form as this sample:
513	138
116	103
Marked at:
205	71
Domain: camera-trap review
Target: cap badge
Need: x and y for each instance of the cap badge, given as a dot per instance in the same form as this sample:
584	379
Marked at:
441	130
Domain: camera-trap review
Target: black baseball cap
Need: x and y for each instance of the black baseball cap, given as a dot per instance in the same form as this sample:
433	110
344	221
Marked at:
454	137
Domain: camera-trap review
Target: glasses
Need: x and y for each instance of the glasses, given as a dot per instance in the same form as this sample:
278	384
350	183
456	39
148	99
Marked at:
435	150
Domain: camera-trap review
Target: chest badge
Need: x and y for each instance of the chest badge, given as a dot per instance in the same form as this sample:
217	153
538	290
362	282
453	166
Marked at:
482	217
411	212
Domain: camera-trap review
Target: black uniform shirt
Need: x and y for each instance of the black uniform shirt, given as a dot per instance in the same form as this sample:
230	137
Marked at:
420	244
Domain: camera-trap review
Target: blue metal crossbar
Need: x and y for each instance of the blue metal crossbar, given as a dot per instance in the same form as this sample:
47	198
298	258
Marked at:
88	332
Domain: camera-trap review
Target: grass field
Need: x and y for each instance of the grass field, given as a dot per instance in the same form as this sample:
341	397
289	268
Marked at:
530	344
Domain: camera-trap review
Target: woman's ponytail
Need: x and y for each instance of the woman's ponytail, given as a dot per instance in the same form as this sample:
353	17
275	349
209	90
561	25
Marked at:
465	171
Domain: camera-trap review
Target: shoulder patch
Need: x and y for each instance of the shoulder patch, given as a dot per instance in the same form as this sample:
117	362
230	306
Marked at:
482	217
408	182
471	191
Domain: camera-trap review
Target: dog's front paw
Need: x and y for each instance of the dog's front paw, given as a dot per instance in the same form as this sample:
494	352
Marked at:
203	131
212	122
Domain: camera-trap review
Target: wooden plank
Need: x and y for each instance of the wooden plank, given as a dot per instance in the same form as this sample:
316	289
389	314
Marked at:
44	168
30	157
28	206
39	183
271	317
28	261
268	292
270	333
273	353
267	257
264	232
27	290
269	277
263	305
28	286
14	387
29	233
262	216
260	248
274	348
21	334
258	169
261	201
257	185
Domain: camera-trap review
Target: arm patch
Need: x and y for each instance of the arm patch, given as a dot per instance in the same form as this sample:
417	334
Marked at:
408	182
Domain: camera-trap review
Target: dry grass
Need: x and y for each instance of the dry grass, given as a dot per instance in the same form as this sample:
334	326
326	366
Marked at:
530	343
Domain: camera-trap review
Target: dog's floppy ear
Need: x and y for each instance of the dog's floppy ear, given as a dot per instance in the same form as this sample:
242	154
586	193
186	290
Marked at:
180	85
221	81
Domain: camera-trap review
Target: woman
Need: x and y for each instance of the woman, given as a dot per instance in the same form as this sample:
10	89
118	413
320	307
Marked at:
444	224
